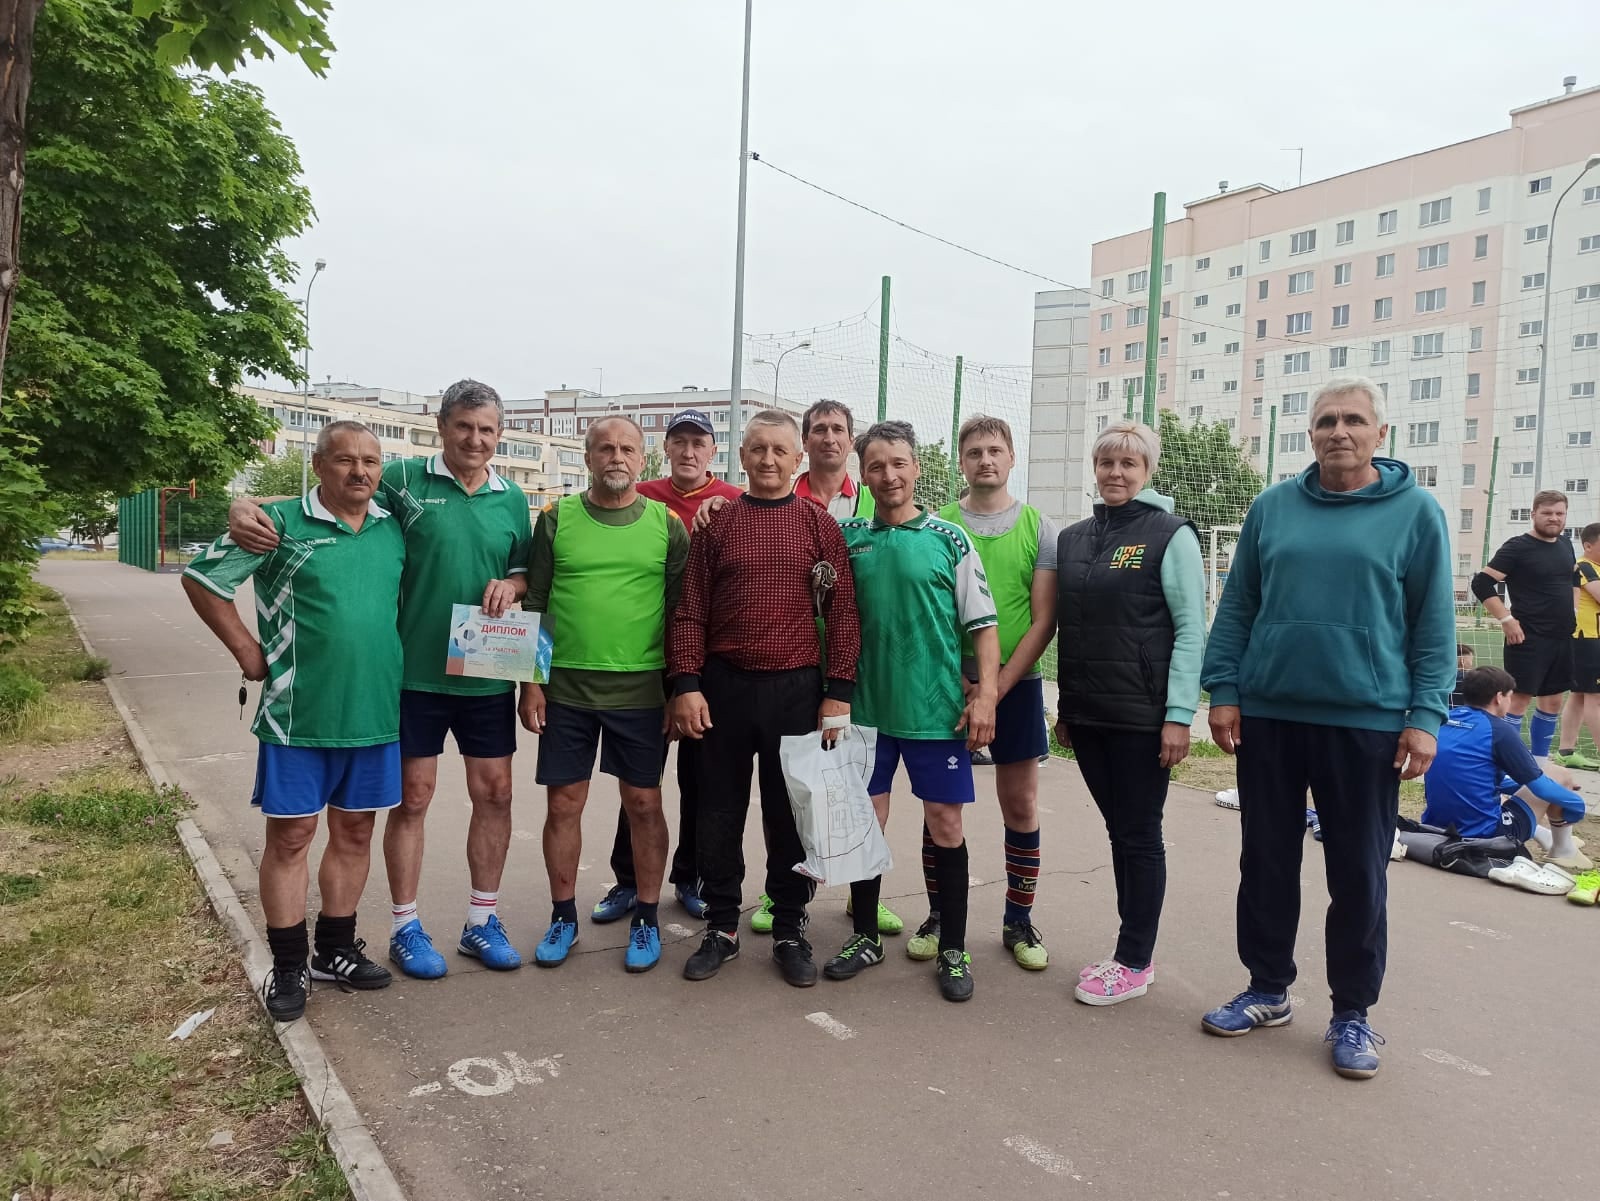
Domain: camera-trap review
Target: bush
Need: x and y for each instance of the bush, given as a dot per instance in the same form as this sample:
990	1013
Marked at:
18	690
25	517
91	667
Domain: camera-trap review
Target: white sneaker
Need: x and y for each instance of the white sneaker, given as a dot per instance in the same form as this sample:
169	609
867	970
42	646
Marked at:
1228	798
1533	877
1398	851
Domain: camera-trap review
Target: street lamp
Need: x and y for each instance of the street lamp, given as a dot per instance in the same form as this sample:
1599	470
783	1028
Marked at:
1589	164
777	367
305	369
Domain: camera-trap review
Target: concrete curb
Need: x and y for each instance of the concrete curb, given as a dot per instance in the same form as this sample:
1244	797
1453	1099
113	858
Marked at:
349	1137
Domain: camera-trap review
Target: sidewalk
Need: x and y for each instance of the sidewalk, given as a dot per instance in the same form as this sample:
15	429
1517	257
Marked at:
586	1083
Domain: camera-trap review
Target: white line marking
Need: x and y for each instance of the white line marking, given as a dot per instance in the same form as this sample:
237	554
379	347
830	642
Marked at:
1483	930
422	1090
1455	1061
831	1024
678	931
173	675
940	1091
460	1074
1039	1156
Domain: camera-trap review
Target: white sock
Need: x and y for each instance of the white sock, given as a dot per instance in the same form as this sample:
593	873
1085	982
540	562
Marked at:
481	907
400	915
1561	841
1542	836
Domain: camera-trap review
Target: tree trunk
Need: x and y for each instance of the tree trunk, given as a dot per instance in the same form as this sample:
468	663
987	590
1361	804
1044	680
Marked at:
17	18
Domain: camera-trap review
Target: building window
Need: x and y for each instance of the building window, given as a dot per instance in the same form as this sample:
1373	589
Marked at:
1427	346
1261	290
1422	433
1299	323
1522	468
1475	338
1134	384
1578	438
1480	291
1589	243
1138	281
1137	314
1430	301
1427	477
1527	375
1201	301
1297	364
1577	486
1341	316
1230	348
1535	233
1427	388
1132	352
1585	341
1341	274
1436	255
1230	385
1105	321
1166	308
1469	475
1466	521
1383	309
1266	249
1294	404
1592	195
1197	339
1105	355
1434	212
1474	383
1380	353
1344	232
1303	242
1533	281
1166	273
1231	422
1338	356
1480	246
1102	390
1520	515
1530	329
1525	421
1469	430
1107	287
1588	292
1198	374
1301	281
1484	196
1235	271
1101	422
1202	264
1261	368
1583	391
1197	413
1255	407
1292	444
1388	221
1464	564
1261	329
1161	348
1161	382
1536	186
1255	446
1385	266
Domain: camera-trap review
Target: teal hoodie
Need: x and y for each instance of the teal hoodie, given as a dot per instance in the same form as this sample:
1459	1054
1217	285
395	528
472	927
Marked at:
1339	608
1183	585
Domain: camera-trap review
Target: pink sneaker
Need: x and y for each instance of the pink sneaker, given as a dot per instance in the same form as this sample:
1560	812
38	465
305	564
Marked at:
1113	984
1094	969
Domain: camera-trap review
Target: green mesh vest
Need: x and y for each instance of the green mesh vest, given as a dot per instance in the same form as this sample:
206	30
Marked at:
1008	561
608	594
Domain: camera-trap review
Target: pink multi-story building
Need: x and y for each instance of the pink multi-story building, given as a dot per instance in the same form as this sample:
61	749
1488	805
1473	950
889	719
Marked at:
1428	274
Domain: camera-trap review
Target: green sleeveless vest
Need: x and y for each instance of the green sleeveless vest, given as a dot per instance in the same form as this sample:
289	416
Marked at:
1008	562
608	595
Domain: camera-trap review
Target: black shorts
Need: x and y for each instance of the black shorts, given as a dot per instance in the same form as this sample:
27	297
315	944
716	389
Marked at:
1586	665
630	751
1541	665
485	726
1019	732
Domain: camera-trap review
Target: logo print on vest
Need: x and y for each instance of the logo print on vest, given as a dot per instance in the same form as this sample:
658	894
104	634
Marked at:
1130	558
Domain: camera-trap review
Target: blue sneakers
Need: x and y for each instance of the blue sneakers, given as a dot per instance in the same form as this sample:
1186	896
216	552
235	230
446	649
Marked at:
1355	1044
644	948
558	940
616	904
490	944
412	952
1245	1012
689	898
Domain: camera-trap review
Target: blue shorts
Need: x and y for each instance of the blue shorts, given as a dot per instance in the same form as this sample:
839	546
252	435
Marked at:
631	750
300	781
485	726
1516	819
940	769
1019	733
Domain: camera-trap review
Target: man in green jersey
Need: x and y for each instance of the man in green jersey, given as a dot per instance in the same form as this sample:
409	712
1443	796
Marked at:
921	592
328	733
1017	546
466	531
605	569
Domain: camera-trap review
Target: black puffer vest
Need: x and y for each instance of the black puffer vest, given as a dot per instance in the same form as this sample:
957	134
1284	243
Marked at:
1114	633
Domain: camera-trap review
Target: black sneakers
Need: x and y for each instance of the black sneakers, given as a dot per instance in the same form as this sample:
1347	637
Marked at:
954	970
349	967
284	993
793	957
715	950
860	951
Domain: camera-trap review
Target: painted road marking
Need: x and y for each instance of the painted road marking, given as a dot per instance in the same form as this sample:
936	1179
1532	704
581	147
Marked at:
678	931
1483	930
1455	1061
483	1076
422	1090
1040	1156
831	1024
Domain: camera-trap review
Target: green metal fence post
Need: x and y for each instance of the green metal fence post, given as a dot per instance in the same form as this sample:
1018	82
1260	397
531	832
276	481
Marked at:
955	429
1152	318
1272	441
1488	508
883	352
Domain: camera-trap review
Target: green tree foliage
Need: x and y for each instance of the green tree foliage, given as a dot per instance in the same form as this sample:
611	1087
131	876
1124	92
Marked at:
91	516
654	462
222	33
1205	471
156	205
934	489
278	476
24	519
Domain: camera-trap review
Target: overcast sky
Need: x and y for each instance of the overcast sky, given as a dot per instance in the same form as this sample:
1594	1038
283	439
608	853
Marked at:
527	191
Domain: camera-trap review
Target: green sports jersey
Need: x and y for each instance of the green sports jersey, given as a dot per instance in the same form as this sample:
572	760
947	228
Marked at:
920	587
325	616
456	543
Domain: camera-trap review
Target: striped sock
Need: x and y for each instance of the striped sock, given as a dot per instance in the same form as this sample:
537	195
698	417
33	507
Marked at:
1022	875
481	907
402	915
930	878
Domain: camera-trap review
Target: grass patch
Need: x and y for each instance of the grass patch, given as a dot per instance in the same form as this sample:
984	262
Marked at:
109	802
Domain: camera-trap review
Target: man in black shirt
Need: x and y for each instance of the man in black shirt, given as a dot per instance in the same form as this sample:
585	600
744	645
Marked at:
1537	569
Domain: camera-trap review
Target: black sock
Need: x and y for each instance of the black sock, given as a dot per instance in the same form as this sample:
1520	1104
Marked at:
290	946
644	914
864	896
565	911
331	933
950	864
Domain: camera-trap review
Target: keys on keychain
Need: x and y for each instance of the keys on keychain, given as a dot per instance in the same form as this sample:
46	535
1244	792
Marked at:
244	695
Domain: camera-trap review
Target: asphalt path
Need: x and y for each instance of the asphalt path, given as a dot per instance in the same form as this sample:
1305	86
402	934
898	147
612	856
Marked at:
583	1082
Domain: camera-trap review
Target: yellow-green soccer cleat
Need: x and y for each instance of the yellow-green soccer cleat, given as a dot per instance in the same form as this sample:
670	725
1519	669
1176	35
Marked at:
1026	946
1586	890
761	916
924	944
888	921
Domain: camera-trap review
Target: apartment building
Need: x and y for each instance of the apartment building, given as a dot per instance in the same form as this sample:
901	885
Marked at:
543	466
1430	274
1057	446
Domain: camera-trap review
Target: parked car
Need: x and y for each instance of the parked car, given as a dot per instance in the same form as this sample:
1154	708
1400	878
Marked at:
48	544
192	548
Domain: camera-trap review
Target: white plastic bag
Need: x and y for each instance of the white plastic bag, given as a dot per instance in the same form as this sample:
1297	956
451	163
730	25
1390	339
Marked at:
828	794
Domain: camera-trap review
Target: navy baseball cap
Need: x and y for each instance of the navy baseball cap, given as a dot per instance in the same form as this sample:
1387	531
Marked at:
692	417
